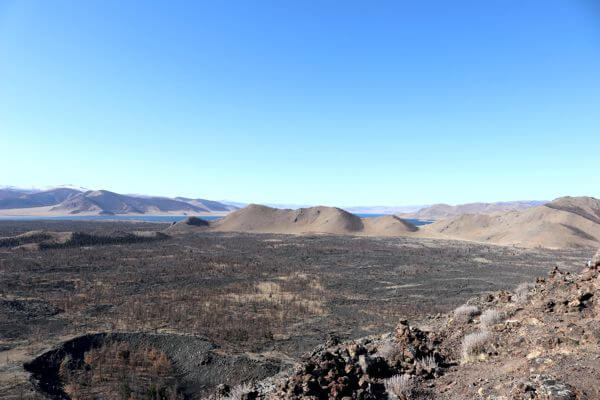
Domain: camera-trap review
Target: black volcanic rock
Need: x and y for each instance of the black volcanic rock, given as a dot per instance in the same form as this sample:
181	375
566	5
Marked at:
195	221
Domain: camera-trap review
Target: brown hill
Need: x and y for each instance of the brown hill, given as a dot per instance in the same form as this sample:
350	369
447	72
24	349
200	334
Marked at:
441	211
331	220
587	207
66	201
565	222
109	203
387	225
257	218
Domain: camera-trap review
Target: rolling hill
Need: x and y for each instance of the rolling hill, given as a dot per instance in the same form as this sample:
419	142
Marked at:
263	219
567	222
562	223
388	225
441	211
17	199
109	203
208	205
67	201
330	220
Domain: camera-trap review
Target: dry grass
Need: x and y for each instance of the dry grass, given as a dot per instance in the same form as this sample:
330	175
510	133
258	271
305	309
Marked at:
241	307
399	387
474	345
428	363
465	312
272	292
490	317
522	292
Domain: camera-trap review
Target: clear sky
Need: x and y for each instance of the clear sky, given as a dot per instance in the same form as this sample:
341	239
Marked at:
315	102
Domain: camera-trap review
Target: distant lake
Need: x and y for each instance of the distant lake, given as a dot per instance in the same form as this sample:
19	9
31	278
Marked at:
413	221
158	218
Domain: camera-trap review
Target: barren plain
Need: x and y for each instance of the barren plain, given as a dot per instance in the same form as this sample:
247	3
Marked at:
224	307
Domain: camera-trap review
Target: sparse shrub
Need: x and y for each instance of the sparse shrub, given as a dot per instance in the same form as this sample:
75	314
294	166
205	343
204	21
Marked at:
466	312
428	363
490	317
474	344
522	292
398	387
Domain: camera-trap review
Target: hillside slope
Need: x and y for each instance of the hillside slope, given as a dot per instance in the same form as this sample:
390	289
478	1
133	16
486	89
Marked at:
441	211
110	203
208	205
387	225
564	222
68	201
10	199
331	220
263	219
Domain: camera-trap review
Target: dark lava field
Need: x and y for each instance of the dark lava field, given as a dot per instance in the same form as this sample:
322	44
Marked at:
221	307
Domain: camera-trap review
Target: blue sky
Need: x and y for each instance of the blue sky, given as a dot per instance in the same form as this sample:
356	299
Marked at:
313	102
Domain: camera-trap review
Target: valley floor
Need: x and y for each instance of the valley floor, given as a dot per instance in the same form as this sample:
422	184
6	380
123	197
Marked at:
266	298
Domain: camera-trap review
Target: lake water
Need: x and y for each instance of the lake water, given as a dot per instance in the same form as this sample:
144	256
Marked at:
156	218
417	222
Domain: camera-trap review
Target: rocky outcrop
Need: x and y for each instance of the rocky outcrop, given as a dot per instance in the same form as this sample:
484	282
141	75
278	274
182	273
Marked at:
358	370
190	224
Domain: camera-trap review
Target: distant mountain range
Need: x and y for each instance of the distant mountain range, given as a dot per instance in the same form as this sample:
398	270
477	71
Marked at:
426	212
391	210
73	200
68	201
442	211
